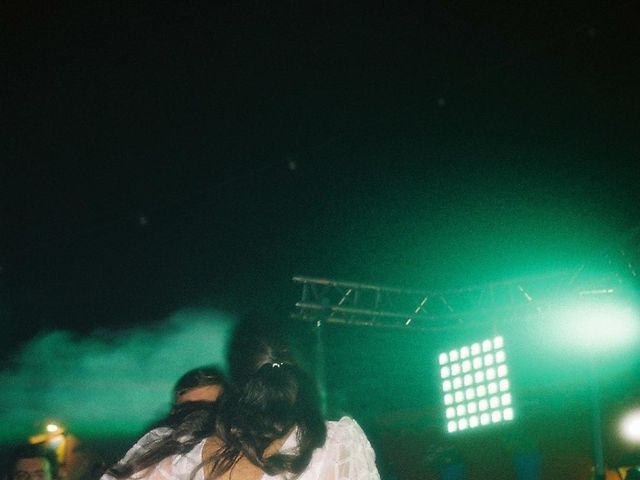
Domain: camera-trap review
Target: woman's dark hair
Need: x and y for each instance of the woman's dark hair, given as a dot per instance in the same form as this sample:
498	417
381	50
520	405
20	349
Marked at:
273	396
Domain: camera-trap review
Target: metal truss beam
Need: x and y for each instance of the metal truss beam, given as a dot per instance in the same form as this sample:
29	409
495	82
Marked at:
351	303
332	301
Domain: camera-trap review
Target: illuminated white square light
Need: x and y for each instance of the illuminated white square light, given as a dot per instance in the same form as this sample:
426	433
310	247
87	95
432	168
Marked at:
443	358
469	394
475	385
466	366
474	421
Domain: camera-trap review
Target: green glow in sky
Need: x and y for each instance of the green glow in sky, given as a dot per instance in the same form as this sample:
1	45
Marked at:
106	386
597	326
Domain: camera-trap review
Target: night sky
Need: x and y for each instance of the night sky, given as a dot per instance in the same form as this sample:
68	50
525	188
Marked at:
166	155
163	156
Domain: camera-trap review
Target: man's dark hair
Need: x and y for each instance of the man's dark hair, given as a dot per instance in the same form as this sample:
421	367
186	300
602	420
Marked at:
198	377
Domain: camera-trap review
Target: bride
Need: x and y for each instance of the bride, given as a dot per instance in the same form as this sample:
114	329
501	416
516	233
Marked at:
269	427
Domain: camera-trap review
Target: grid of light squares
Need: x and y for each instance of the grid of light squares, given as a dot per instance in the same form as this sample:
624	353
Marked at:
475	385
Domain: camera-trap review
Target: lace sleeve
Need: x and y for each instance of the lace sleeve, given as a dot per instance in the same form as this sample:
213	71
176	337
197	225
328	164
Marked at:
346	455
145	442
175	467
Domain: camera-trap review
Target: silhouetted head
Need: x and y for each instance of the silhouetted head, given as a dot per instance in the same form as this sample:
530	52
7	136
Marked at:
200	384
33	462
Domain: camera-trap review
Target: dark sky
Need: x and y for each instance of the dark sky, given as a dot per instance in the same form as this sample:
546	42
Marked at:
159	155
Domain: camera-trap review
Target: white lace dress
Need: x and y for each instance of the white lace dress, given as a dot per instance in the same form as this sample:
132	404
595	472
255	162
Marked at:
346	455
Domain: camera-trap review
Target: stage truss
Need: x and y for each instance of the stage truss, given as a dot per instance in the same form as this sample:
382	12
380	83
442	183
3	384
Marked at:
349	303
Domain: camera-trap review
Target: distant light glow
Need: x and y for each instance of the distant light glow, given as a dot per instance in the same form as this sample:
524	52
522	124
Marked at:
475	385
52	428
597	326
630	427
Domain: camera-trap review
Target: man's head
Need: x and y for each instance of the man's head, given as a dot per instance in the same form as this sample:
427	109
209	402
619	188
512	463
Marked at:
200	384
33	462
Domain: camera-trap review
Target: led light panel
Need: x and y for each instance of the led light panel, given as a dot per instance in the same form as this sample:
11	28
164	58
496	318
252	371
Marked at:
475	385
